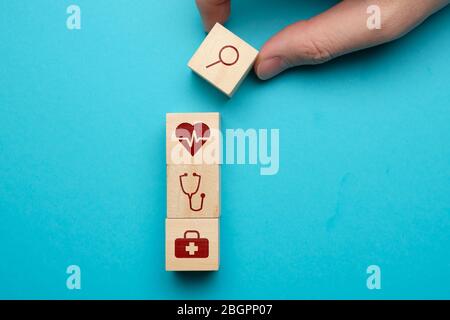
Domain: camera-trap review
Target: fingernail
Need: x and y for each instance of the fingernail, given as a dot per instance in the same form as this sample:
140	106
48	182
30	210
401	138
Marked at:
269	68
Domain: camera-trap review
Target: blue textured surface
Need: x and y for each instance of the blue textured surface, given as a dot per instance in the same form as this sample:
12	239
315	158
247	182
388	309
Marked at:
364	158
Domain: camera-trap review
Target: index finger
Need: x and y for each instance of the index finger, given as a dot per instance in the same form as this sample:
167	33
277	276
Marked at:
213	11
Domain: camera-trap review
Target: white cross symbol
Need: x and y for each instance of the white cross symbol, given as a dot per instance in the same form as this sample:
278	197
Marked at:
191	248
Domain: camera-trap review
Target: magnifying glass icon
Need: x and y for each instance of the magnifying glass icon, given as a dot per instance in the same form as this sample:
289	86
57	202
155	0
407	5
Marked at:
221	60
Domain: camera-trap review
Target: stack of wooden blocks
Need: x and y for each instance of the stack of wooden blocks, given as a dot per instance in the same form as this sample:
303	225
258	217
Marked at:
193	147
193	191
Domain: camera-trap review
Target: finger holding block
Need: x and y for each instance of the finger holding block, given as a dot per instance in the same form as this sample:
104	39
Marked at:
223	59
193	138
192	244
193	191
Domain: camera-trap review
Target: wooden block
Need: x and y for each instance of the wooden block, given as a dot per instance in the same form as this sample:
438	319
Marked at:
192	244
193	138
193	191
223	59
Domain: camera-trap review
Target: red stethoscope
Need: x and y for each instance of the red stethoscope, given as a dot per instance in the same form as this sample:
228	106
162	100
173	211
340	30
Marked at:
190	195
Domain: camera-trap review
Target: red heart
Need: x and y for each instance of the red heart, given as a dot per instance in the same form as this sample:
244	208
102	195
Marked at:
192	137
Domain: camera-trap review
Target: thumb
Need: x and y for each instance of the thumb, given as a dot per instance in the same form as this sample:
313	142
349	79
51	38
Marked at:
296	45
337	31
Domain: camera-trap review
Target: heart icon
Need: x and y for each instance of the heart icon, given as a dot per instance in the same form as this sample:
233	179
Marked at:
192	137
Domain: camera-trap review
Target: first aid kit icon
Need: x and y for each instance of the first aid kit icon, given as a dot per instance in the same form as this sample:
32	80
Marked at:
191	247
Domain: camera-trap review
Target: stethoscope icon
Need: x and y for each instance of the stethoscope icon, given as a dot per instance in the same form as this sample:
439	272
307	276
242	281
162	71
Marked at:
190	195
221	60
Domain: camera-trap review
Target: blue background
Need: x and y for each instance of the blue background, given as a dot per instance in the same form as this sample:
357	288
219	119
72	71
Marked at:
364	158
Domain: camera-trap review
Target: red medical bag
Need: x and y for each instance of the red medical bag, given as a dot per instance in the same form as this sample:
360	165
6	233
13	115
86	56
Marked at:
191	247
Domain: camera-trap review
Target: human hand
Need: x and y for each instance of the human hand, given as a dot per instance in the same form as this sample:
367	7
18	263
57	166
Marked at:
341	29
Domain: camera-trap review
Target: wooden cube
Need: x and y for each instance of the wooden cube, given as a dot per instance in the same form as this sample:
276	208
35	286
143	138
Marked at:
223	59
193	138
193	191
192	244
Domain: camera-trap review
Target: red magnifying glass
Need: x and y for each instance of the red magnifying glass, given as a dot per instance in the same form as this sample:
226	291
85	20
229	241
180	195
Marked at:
221	60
